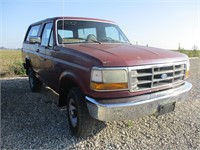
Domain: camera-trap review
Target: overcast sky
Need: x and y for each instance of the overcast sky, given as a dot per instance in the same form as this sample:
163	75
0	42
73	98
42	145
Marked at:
158	23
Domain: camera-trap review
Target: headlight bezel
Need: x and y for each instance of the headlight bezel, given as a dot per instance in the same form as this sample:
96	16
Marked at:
100	79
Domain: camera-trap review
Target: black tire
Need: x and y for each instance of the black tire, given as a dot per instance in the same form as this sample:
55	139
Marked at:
34	82
80	121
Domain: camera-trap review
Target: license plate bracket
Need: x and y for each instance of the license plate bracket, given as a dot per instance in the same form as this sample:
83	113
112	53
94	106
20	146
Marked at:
166	108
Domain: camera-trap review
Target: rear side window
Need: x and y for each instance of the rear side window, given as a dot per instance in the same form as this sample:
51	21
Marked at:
33	31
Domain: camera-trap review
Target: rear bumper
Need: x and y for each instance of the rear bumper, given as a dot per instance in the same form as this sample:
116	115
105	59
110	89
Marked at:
137	106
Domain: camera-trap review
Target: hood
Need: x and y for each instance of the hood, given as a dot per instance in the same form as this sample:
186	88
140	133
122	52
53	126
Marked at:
127	55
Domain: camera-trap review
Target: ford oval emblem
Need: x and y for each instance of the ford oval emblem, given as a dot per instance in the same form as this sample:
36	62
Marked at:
164	76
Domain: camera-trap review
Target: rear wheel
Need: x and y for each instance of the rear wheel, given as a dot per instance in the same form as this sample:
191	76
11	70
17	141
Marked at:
81	123
34	82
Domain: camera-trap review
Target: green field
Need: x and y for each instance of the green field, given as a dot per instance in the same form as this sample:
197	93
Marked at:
11	63
190	53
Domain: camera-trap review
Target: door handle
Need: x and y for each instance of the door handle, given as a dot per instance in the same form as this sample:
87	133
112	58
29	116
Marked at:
37	50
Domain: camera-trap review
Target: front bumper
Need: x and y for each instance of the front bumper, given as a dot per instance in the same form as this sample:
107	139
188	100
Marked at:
137	106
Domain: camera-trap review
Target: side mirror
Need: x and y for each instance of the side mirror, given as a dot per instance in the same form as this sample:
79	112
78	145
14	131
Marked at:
34	40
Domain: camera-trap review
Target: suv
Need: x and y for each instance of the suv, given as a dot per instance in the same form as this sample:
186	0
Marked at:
99	74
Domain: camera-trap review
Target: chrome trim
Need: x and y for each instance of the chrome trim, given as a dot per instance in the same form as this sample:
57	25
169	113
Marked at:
137	106
150	77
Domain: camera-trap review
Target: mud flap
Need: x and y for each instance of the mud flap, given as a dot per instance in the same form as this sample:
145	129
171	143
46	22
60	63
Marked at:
166	108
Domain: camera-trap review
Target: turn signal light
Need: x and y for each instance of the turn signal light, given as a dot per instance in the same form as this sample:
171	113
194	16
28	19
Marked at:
108	86
187	74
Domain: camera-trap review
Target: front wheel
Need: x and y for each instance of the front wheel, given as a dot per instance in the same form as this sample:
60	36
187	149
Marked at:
81	123
34	82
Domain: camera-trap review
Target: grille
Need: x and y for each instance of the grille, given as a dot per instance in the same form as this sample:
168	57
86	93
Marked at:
149	77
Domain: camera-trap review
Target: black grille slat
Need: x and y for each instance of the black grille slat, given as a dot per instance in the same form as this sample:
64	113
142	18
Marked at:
144	70
147	85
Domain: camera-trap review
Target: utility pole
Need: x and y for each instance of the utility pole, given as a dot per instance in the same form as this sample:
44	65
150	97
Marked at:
179	46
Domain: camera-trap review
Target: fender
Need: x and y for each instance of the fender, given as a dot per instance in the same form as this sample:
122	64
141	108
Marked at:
66	81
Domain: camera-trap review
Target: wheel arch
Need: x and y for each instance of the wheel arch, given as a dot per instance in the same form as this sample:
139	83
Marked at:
67	81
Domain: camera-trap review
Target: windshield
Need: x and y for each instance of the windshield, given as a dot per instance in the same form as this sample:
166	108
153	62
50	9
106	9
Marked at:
73	31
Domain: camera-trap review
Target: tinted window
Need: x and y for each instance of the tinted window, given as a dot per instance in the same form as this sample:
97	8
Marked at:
46	34
33	31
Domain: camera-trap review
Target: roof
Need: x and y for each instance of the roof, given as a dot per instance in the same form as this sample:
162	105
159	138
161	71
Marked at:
74	18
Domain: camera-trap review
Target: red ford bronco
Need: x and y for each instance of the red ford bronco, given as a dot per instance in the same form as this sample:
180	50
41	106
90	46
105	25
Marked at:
99	74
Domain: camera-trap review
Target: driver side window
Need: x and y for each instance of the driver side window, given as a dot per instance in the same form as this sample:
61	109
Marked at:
46	34
51	39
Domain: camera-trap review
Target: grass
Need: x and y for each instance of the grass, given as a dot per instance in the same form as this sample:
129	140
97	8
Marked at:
190	53
11	63
130	123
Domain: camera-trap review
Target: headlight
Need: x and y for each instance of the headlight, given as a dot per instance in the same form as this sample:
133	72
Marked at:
109	79
187	69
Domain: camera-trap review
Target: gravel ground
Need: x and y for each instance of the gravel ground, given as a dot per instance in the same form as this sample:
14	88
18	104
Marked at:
33	121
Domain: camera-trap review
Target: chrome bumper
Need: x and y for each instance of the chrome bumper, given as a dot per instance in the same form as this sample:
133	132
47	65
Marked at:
137	106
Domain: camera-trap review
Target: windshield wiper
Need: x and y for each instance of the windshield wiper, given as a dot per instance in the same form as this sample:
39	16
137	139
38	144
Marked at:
127	43
95	41
114	41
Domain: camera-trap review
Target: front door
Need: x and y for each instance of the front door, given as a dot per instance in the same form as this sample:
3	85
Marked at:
44	49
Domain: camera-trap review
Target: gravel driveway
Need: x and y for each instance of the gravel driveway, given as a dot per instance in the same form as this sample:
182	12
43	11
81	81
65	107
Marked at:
33	121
